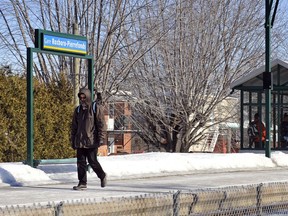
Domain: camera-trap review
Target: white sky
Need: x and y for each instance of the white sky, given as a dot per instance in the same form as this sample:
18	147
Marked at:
139	165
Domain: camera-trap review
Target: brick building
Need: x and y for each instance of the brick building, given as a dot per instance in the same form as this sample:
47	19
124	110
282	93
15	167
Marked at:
119	136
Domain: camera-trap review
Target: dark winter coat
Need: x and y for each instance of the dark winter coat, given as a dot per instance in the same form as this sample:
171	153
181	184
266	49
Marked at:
87	126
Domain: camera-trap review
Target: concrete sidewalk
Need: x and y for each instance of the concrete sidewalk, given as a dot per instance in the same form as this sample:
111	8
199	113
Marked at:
132	187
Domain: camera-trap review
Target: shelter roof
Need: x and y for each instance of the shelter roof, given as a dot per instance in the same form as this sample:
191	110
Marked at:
254	80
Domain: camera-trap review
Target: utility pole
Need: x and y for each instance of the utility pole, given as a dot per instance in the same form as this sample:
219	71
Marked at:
267	81
76	63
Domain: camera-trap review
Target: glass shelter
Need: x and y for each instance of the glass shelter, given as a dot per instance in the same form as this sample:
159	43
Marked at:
252	101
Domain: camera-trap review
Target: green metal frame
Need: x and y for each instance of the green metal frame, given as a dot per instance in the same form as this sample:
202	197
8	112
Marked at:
268	69
277	111
30	107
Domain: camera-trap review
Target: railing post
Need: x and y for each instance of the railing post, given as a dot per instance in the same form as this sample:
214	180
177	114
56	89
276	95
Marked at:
259	200
176	203
59	209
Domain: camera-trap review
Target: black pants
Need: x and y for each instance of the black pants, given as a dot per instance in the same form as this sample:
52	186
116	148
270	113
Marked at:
258	145
91	156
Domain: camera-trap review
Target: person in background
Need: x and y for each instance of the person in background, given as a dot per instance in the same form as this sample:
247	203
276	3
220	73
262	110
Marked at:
284	131
99	100
86	135
254	129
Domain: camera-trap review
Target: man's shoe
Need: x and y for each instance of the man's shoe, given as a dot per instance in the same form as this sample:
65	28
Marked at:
80	187
104	181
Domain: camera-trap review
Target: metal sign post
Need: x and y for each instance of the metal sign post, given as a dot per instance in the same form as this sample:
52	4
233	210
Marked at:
267	79
56	44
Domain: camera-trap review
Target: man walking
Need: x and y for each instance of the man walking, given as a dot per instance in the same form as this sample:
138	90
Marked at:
86	134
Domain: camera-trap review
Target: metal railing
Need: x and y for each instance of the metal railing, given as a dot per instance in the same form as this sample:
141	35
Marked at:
255	200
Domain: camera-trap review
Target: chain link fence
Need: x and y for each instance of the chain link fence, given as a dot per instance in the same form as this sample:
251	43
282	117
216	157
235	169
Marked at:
261	199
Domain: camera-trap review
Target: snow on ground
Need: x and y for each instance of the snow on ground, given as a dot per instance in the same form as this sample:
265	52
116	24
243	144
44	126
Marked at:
140	165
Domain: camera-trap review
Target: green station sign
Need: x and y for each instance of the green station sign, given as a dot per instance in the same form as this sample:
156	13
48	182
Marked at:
60	42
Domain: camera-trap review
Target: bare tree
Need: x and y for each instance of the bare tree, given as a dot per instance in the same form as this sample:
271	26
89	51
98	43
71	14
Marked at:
181	81
178	57
108	25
